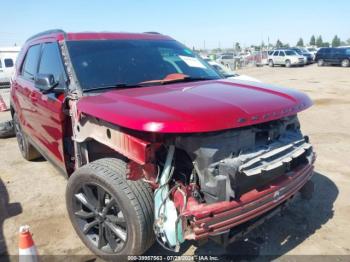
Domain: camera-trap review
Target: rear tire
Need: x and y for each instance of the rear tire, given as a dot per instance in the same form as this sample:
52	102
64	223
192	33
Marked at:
133	202
27	150
345	63
320	62
271	64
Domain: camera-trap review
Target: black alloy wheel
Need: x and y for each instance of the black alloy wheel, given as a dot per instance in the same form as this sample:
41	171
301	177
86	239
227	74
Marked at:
100	218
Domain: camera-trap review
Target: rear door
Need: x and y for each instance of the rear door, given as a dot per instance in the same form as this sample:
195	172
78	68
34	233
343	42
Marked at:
23	86
276	58
339	55
47	108
281	57
327	55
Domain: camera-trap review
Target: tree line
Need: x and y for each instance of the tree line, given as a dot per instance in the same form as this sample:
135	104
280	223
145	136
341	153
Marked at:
317	42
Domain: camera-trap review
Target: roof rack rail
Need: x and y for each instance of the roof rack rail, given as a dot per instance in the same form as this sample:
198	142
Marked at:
153	33
53	31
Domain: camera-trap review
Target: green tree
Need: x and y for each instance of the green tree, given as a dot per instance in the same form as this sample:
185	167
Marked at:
326	44
313	40
319	41
336	41
348	41
237	47
279	44
300	42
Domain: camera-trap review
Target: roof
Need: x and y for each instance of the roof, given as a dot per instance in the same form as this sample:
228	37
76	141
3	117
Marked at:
61	35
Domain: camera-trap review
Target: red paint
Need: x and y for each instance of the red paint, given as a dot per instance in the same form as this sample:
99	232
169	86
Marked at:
194	107
209	219
120	36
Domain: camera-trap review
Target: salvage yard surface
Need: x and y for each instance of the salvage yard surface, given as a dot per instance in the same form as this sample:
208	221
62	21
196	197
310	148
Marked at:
33	192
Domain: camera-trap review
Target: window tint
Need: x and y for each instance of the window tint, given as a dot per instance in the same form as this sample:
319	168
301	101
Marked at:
50	62
8	62
103	63
290	52
276	53
29	68
337	51
281	53
0	63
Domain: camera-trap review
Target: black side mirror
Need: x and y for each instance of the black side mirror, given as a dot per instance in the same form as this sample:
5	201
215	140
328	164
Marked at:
45	82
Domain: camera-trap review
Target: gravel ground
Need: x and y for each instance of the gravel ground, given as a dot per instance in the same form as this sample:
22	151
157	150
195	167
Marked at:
33	192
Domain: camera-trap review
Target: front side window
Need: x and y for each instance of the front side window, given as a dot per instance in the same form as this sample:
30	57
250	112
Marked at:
281	53
30	65
50	62
8	62
103	63
276	53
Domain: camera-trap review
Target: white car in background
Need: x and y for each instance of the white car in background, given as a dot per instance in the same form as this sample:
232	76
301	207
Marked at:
228	73
8	57
286	57
312	50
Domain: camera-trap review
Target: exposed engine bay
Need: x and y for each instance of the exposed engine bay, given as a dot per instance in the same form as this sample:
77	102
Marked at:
209	168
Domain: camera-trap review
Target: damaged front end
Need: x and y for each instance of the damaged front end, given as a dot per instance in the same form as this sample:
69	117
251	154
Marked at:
212	182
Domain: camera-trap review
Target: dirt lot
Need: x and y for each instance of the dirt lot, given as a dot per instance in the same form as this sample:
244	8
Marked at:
33	192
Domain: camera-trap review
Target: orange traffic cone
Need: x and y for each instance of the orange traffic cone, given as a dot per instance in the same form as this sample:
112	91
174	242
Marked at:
3	106
27	250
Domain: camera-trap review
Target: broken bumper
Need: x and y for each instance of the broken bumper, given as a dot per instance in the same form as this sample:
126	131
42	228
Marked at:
214	219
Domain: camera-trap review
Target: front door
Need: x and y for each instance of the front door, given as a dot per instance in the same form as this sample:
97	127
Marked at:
43	118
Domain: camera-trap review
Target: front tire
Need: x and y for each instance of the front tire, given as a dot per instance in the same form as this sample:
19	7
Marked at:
27	150
320	62
345	63
288	63
111	215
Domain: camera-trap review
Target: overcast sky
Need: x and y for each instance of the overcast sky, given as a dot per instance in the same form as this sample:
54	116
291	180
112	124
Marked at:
193	22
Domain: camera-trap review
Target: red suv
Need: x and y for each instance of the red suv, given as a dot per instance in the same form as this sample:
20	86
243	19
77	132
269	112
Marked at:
154	142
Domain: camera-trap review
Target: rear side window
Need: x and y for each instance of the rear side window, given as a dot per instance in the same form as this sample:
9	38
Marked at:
8	62
276	53
281	53
337	51
30	64
50	62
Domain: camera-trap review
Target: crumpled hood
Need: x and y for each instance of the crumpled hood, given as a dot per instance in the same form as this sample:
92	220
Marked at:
194	107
